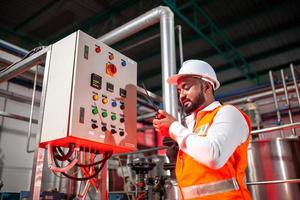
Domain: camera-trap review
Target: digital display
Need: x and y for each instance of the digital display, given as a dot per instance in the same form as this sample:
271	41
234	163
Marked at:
109	87
96	81
122	92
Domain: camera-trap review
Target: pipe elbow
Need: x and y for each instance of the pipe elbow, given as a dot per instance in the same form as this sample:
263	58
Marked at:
165	11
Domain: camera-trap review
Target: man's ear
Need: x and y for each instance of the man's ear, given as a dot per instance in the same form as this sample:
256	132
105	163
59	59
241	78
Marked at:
207	86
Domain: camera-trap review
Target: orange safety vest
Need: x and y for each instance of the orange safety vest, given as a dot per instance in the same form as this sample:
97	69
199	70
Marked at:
199	182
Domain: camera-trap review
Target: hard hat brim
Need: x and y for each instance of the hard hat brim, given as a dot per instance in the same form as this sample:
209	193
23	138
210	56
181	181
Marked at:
173	80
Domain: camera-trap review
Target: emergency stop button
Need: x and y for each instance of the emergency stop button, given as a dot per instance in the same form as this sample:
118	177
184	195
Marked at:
111	69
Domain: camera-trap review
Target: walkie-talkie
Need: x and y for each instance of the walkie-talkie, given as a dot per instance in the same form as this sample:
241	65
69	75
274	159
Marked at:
156	108
163	130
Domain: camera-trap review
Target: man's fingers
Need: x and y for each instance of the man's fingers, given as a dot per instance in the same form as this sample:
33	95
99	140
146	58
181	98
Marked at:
162	112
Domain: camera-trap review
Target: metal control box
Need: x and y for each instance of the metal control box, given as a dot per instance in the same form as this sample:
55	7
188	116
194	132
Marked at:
90	96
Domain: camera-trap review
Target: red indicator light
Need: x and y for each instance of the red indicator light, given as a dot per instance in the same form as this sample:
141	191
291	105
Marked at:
111	56
97	49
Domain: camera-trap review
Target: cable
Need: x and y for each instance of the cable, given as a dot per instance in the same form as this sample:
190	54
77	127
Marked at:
107	155
63	156
58	168
83	165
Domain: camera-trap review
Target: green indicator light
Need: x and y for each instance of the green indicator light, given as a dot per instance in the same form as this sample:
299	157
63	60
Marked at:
95	110
113	117
104	114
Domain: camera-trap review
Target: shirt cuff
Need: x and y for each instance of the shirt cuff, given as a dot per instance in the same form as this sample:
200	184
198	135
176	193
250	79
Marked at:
179	133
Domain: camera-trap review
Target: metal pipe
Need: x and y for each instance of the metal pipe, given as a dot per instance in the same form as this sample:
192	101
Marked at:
257	96
287	101
140	42
271	129
17	97
31	111
295	82
13	47
23	65
166	18
18	117
178	27
274	182
275	98
39	154
141	151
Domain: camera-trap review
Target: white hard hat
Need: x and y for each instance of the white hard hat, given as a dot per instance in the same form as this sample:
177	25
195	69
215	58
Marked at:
196	68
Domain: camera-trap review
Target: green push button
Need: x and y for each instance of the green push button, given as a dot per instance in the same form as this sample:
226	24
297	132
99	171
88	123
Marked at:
113	117
104	114
95	110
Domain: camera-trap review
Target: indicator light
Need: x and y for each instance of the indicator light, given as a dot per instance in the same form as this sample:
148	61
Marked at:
95	97
104	100
123	62
95	110
122	120
113	117
104	114
97	49
111	56
114	104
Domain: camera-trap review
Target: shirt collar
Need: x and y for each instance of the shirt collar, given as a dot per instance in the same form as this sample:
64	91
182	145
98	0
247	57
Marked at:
210	107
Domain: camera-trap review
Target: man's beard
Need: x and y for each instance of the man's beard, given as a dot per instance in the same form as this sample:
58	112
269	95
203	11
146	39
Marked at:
194	105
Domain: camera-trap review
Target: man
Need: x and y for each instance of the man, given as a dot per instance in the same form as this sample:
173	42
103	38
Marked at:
212	155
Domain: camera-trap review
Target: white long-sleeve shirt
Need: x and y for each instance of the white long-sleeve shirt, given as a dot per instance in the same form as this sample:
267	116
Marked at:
228	130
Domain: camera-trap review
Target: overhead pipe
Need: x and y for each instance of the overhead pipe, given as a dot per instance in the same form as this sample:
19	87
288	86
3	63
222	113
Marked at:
165	16
295	82
24	65
287	100
178	27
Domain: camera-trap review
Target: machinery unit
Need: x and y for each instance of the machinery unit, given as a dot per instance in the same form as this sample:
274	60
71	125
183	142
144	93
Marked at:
90	96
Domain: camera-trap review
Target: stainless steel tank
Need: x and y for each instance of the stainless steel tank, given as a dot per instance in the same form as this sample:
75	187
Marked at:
274	159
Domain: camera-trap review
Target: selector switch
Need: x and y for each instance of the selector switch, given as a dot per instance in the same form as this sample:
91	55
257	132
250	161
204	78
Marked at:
113	131
122	106
104	128
111	69
121	133
94	126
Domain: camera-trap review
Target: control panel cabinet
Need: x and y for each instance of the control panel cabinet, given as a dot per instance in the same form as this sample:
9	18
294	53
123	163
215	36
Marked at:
90	96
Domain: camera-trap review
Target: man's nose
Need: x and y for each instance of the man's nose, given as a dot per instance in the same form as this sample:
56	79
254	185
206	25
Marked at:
182	95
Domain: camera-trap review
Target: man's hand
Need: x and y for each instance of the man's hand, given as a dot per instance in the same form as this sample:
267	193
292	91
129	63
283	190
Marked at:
162	125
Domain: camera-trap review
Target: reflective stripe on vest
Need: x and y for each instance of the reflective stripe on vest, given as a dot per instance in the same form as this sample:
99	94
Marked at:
206	189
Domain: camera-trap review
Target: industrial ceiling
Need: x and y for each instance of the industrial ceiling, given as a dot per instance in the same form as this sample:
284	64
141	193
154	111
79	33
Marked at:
242	40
